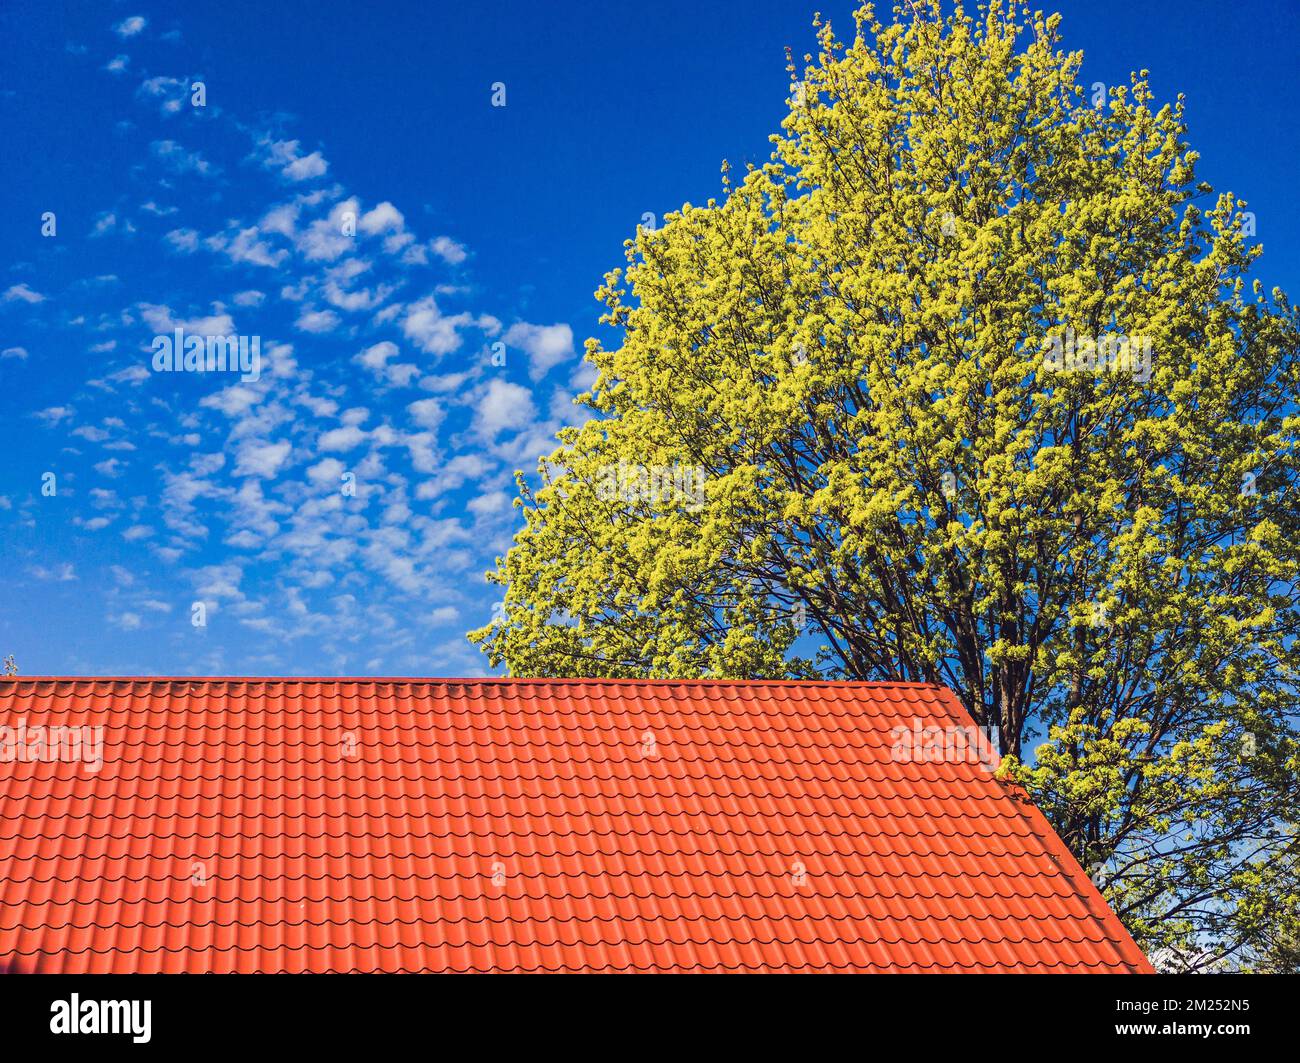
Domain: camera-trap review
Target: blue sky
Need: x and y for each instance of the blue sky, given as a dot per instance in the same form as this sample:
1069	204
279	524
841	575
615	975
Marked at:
475	225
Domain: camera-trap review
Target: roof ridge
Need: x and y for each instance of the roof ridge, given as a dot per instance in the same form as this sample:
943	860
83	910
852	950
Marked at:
852	684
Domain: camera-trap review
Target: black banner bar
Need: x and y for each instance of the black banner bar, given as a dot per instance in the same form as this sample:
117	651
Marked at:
658	1013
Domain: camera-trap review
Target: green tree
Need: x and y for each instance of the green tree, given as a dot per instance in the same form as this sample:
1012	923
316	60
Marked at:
968	385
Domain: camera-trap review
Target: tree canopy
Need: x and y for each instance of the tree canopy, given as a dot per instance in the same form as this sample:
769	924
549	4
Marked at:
972	384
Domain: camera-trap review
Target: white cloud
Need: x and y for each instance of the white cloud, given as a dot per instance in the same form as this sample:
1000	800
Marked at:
448	250
118	64
160	319
63	573
583	377
324	240
132	374
386	220
129	27
546	345
184	240
244	246
53	415
422	448
317	321
502	407
427	413
248	298
178	159
492	504
341	439
308	166
173	92
212	583
281	219
444	383
382	218
232	401
283	155
326	473
261	459
427	327
14	352
376	358
360	299
452	474
26	294
319	407
256	514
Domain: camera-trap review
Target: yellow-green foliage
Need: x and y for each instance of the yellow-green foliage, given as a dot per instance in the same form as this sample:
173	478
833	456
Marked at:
853	350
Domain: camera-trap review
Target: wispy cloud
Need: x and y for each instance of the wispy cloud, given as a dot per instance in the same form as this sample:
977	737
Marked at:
179	160
130	26
22	293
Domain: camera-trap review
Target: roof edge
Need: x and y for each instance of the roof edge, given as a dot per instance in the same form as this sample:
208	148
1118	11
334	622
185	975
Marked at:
1099	908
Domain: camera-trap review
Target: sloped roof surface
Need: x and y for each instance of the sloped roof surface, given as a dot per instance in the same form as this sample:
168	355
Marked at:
240	825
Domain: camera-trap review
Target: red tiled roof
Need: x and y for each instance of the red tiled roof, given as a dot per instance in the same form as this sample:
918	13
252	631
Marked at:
523	825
